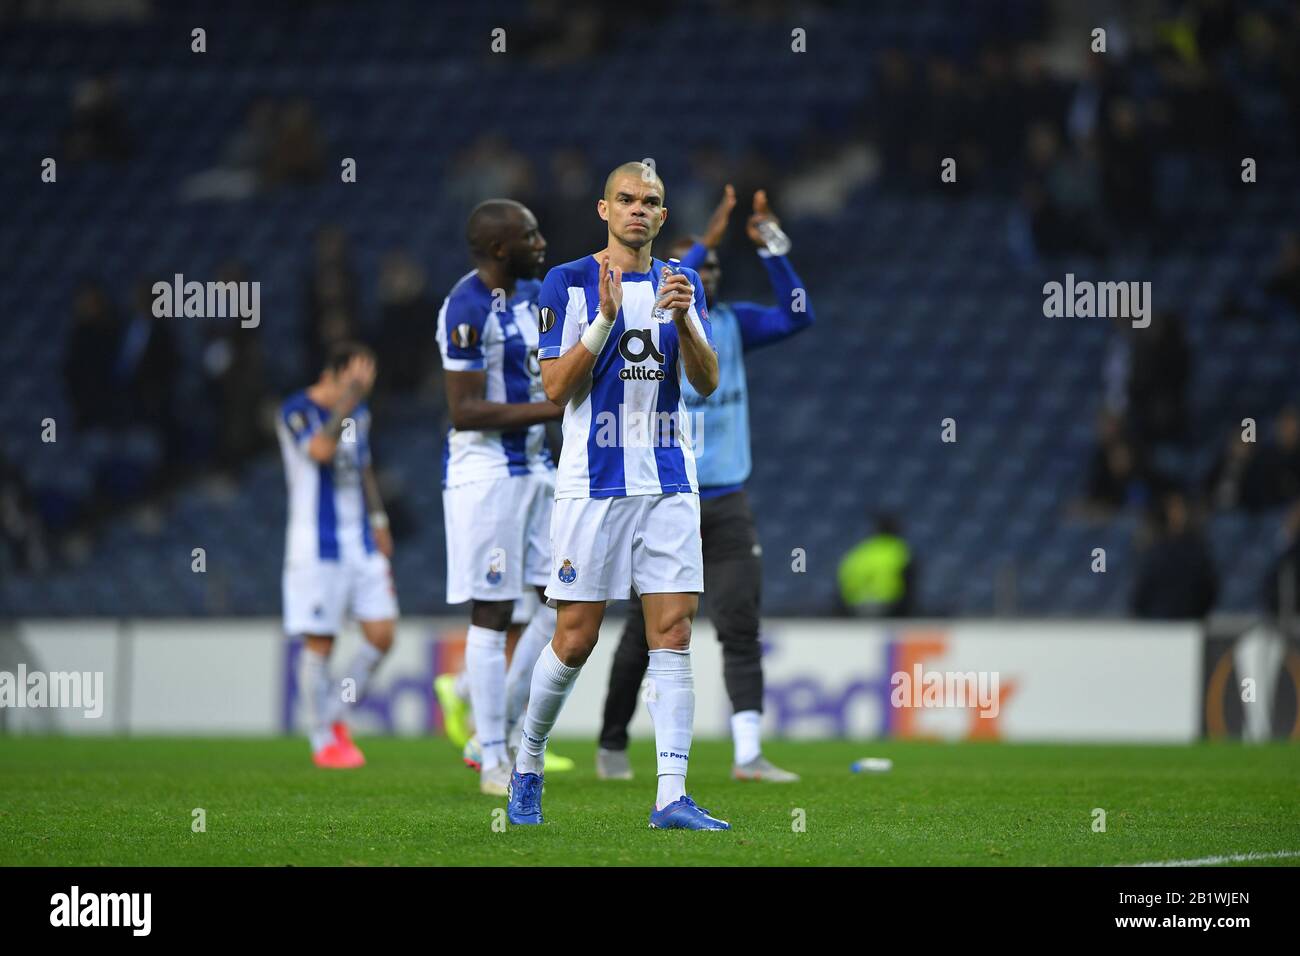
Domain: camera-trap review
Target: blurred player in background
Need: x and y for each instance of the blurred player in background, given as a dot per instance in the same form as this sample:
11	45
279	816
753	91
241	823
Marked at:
498	479
452	690
733	567
618	330
337	546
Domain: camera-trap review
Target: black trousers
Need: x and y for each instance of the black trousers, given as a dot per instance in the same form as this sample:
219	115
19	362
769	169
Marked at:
733	573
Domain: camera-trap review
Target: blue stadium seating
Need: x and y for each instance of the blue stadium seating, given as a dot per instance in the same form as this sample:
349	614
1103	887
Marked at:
924	314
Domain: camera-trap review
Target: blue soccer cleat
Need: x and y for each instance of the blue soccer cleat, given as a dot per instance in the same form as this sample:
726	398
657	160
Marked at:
683	814
524	798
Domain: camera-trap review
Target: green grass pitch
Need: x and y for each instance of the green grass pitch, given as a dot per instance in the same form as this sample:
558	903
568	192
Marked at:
84	801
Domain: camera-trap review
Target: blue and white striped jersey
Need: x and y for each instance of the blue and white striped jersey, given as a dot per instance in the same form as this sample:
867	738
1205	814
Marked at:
629	434
328	519
502	342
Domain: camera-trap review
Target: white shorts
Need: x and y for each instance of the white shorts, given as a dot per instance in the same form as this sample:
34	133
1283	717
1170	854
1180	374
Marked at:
318	593
604	549
498	534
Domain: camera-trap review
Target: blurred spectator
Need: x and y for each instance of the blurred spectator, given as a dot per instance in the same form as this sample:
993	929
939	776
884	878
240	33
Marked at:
1284	280
1233	481
1127	172
89	356
296	155
1116	476
1288	61
996	113
877	577
22	533
1177	579
1281	590
245	160
942	129
1040	96
489	168
404	347
145	369
1119	476
1259	477
891	106
565	208
332	297
98	129
559	33
1159	371
1061	195
234	373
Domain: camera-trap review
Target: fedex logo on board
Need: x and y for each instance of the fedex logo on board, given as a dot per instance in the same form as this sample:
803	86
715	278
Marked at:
892	698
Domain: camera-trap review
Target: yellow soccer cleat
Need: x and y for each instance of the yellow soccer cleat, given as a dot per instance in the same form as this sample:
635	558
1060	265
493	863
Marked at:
455	710
557	764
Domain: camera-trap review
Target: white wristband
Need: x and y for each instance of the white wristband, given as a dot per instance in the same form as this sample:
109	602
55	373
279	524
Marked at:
597	334
378	520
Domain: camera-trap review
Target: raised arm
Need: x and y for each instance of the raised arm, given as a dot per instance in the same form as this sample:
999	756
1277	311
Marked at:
763	325
357	379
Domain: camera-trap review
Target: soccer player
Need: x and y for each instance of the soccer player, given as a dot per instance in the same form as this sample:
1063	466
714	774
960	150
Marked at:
732	563
498	479
452	691
618	329
338	544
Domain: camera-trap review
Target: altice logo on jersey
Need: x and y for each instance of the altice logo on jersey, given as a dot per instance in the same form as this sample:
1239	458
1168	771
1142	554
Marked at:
636	346
103	909
209	300
38	689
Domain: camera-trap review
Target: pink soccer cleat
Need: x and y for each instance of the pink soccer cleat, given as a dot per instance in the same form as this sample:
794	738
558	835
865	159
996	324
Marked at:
351	752
333	757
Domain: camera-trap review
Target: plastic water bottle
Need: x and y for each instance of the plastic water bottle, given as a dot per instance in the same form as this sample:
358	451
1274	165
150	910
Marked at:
872	765
777	242
662	315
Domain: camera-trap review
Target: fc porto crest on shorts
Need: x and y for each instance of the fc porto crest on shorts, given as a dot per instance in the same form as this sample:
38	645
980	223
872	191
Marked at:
496	564
567	573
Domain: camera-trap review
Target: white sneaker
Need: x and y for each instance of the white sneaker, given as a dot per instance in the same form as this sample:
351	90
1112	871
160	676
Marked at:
495	781
760	768
612	765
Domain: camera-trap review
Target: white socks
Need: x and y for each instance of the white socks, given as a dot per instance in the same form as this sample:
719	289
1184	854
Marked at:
314	688
519	678
746	732
551	684
670	695
359	670
485	662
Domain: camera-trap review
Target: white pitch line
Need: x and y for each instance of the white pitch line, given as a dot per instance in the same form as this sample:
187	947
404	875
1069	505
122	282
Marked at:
1212	860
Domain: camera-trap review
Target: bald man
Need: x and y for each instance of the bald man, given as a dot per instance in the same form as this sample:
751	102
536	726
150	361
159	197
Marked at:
733	565
619	330
498	478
